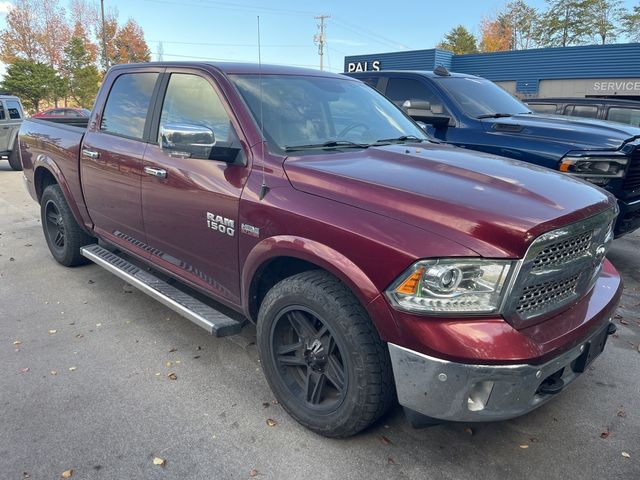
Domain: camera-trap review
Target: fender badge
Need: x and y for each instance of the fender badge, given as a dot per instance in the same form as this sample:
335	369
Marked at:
250	230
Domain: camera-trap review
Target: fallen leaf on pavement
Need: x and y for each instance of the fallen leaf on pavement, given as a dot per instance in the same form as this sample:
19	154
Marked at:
158	374
266	404
173	349
72	369
384	440
253	472
17	342
172	376
271	422
168	364
52	331
159	461
605	434
524	446
468	430
26	475
67	474
623	321
391	461
617	316
98	324
24	370
626	455
54	372
622	413
196	357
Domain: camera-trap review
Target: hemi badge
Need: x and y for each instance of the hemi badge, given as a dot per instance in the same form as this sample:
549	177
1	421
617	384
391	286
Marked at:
250	230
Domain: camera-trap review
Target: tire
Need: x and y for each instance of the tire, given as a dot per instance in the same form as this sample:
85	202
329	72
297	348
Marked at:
61	231
346	352
14	158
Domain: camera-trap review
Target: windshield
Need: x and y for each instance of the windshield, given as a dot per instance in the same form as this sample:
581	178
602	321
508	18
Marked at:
306	112
481	98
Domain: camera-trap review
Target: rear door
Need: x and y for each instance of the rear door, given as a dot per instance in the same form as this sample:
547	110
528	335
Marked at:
14	112
5	129
111	157
190	202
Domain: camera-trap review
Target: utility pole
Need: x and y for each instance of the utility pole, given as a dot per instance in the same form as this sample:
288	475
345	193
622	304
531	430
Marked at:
320	39
105	60
160	52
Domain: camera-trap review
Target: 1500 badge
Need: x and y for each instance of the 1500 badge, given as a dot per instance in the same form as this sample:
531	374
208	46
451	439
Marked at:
221	224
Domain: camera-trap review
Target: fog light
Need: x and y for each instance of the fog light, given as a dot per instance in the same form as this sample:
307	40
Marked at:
479	396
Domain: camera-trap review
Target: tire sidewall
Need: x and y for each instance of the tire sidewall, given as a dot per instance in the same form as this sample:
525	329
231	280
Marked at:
14	159
53	194
330	313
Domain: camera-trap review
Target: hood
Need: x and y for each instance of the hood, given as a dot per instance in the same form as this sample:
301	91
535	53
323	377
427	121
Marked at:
492	205
577	133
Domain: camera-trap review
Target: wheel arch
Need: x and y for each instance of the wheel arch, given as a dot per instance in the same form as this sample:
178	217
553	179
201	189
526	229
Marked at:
279	257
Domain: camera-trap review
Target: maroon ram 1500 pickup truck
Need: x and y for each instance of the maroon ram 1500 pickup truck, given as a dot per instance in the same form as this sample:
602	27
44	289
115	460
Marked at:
378	265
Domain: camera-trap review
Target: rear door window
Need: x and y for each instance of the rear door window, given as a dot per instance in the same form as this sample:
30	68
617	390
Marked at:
2	117
125	112
624	115
15	112
583	111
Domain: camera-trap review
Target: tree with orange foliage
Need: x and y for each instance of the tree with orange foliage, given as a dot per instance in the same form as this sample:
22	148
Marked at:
495	35
129	44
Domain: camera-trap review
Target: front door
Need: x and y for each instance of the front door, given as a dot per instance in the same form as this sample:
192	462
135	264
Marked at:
111	161
190	200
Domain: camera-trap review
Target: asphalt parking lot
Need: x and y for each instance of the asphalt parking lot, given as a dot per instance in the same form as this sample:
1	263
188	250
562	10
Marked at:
85	386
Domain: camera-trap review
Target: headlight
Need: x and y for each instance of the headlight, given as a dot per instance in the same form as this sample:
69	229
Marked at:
597	169
450	286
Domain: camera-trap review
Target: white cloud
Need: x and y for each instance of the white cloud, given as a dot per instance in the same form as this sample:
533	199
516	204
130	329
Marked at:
5	7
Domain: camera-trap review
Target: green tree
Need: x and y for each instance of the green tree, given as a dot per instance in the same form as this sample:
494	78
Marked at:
81	75
631	24
32	81
566	23
604	18
524	23
460	41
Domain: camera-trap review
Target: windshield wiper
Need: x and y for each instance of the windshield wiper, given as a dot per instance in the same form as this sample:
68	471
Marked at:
495	115
400	139
327	145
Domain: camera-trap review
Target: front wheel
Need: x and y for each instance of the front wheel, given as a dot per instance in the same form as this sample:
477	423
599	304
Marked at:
63	234
14	158
322	356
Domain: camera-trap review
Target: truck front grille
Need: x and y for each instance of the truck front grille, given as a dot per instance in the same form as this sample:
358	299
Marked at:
559	268
632	179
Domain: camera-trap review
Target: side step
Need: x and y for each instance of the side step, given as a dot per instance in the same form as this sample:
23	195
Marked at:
213	321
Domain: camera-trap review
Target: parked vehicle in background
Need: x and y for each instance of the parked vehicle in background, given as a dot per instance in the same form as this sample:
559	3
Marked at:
373	260
475	113
614	110
11	115
64	113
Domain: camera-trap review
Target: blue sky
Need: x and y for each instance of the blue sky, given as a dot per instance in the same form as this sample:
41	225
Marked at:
226	29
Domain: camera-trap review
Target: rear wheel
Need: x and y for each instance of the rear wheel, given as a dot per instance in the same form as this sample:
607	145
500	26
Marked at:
61	231
322	356
14	158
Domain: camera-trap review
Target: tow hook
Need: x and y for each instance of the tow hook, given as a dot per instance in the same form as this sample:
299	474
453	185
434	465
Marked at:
611	329
552	384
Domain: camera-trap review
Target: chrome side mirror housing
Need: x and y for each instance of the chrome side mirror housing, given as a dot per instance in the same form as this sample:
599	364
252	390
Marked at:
187	140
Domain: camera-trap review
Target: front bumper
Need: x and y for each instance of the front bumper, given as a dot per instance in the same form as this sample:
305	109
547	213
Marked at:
454	391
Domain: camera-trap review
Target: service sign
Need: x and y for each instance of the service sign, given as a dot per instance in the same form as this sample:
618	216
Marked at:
622	86
373	66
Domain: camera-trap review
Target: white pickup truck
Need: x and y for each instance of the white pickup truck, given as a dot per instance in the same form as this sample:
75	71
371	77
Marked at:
11	115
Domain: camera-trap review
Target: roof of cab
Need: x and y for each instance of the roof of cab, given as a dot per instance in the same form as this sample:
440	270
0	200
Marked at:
424	73
231	68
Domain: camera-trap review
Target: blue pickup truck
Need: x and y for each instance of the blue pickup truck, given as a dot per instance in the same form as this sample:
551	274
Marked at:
475	113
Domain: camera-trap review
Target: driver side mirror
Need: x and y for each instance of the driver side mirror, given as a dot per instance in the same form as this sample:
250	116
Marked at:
422	110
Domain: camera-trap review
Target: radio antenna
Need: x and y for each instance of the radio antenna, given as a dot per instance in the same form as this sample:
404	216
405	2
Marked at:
263	189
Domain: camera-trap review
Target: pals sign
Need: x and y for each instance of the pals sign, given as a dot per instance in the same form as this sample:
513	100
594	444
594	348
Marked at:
373	66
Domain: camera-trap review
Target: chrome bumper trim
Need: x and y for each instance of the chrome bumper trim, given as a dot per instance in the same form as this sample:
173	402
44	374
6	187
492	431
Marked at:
442	389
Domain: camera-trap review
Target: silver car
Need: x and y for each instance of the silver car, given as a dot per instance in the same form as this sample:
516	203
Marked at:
11	115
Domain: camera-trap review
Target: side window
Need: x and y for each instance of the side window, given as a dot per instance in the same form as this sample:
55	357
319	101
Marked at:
125	112
191	101
401	89
57	111
584	111
2	117
543	107
371	81
15	112
625	115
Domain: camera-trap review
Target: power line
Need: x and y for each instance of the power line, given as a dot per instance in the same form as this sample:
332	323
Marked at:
210	44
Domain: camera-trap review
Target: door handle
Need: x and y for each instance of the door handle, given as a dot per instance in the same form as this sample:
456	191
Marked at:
90	153
156	172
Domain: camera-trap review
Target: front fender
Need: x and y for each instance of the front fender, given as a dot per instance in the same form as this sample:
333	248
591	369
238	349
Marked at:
328	259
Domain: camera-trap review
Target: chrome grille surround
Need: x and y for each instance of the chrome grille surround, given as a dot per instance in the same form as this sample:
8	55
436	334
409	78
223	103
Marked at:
559	268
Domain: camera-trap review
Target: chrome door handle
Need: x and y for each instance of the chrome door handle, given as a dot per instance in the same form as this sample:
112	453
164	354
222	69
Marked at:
90	153
156	172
